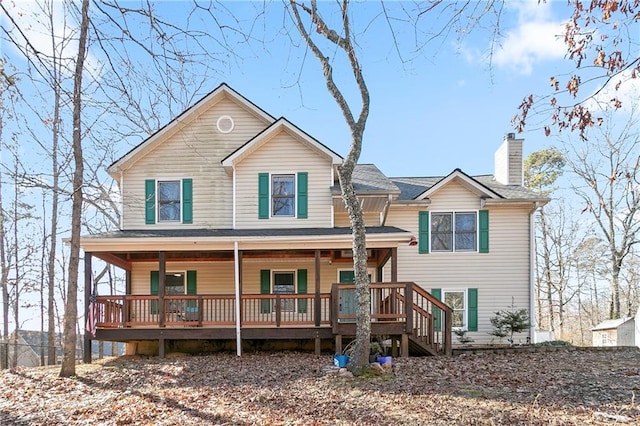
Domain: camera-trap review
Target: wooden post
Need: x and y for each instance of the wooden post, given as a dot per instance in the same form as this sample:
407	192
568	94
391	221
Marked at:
448	321
161	348
127	282
125	311
318	344
88	288
394	264
317	307
338	344
162	273
278	311
408	307
404	346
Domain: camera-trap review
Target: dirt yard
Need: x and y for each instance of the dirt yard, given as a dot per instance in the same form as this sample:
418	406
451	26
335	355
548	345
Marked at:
564	387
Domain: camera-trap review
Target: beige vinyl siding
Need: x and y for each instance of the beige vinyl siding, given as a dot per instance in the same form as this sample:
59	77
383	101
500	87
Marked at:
284	155
501	276
218	277
370	219
454	197
212	277
194	152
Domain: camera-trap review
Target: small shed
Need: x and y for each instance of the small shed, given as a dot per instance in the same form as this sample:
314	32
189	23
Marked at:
616	332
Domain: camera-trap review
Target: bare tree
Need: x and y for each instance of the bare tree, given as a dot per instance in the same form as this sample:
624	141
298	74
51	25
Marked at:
68	367
607	169
541	171
601	39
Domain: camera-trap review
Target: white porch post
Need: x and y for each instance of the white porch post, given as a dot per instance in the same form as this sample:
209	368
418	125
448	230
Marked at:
238	300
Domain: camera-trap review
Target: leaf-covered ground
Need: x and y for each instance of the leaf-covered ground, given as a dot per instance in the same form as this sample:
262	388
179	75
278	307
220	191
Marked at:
544	388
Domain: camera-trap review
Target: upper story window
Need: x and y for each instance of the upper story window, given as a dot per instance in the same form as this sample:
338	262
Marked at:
169	201
283	195
455	231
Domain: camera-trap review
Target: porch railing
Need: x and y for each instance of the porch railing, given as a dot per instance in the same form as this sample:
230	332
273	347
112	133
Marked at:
426	319
212	310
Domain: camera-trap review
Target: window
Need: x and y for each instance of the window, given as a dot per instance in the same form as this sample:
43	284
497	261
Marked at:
283	195
456	300
174	285
604	338
284	283
454	231
168	201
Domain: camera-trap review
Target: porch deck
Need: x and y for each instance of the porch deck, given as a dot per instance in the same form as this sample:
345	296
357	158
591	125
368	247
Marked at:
424	325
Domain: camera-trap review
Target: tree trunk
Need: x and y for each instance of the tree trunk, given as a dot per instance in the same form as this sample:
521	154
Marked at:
68	367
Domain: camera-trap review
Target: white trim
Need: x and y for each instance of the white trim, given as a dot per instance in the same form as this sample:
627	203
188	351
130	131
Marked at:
453	230
128	160
121	204
157	198
370	271
466	181
275	128
225	117
234	199
532	276
295	195
236	280
465	317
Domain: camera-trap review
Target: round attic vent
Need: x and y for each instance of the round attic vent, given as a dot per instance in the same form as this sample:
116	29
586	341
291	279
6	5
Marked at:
225	124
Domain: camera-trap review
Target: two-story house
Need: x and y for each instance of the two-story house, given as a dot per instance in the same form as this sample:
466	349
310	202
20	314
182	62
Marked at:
234	231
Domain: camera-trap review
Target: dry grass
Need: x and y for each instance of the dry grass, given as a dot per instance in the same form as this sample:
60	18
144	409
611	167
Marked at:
554	388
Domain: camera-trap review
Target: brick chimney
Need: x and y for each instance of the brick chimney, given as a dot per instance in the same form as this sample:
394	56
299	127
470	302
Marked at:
508	161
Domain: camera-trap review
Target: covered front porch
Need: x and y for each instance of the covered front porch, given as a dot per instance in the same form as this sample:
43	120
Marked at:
320	308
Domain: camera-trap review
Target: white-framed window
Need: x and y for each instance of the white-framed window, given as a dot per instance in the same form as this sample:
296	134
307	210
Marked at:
283	195
174	285
457	301
169	201
605	339
284	282
454	231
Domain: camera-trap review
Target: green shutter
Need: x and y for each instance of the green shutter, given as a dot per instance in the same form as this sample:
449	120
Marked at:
265	288
155	284
187	200
303	195
423	232
302	289
263	195
149	201
472	310
483	227
192	288
437	312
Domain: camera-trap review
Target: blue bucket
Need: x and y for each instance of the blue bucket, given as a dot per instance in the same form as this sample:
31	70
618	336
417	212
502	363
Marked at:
385	360
340	360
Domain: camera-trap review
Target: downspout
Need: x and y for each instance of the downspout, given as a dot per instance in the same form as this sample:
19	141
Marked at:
532	267
121	207
233	203
385	211
237	286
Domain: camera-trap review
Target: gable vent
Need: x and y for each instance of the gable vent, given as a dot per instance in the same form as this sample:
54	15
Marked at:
225	124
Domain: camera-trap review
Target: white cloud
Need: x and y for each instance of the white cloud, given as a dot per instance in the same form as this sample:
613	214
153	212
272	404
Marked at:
33	23
537	38
628	93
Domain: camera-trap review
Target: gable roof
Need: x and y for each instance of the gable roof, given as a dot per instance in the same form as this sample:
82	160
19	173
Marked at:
280	125
421	188
611	324
187	116
368	179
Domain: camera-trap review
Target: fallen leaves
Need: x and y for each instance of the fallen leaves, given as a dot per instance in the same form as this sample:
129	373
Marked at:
564	387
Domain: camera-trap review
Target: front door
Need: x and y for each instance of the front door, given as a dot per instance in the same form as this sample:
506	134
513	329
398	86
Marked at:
347	296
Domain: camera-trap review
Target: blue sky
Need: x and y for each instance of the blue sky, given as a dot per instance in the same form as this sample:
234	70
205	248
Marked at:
445	107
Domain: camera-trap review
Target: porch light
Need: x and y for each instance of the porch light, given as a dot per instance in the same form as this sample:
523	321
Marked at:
413	241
